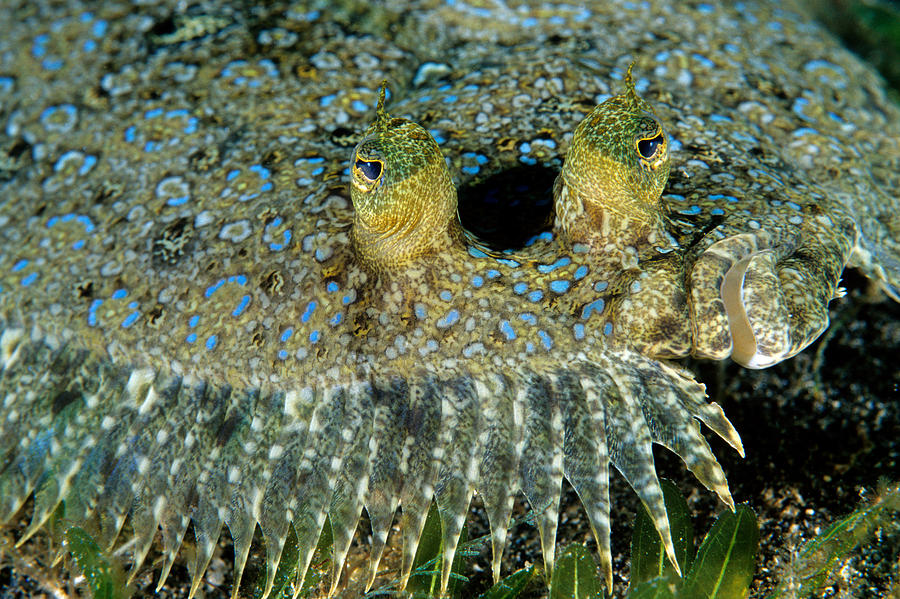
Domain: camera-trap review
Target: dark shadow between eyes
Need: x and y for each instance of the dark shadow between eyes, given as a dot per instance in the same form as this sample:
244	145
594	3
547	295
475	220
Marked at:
509	208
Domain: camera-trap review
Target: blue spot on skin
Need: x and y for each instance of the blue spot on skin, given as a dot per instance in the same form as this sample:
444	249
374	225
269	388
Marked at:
337	319
314	336
579	331
282	354
546	339
595	306
310	308
38	50
717	212
529	318
607	329
232	174
211	342
559	286
536	295
194	321
19	265
704	61
508	262
130	320
690	211
133	305
245	301
346	299
450	319
89	162
600	285
545	236
332	287
470	170
99	28
152	114
581	272
92	312
286	334
239	279
327	100
29	279
507	330
260	170
129	134
804	131
213	288
445	295
191	338
78	244
493	274
529	347
420	311
545	268
477	281
723	197
793	205
520	288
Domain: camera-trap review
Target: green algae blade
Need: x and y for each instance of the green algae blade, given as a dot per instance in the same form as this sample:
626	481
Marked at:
648	558
103	580
575	575
511	586
726	560
425	579
655	589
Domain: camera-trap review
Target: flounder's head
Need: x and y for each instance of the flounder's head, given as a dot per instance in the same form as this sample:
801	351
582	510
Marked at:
615	172
401	189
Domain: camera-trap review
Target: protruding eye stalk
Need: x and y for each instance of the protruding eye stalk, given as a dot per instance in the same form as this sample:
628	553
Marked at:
368	172
652	150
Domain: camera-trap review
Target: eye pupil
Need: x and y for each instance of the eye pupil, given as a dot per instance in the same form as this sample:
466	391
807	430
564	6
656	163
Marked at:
370	170
648	147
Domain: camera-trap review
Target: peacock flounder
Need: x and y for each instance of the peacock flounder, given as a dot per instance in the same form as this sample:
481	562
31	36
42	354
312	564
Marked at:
199	330
412	384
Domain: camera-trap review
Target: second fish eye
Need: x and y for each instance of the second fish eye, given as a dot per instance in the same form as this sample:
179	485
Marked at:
648	148
371	170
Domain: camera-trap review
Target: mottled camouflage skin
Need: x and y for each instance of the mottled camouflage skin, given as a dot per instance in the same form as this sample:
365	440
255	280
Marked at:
193	332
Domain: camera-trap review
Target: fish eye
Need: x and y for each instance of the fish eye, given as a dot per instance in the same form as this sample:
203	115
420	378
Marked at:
648	148
370	170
